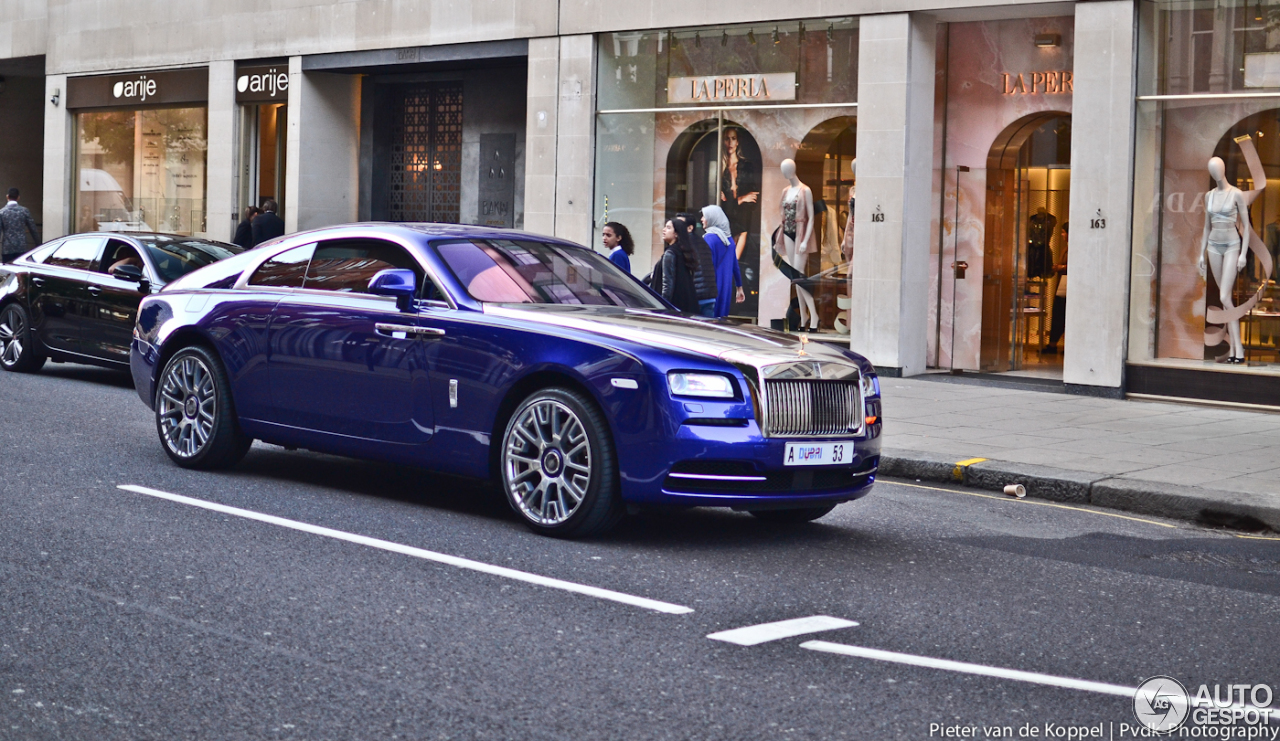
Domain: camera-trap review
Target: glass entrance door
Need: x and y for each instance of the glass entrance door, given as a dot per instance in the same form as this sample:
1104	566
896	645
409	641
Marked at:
263	148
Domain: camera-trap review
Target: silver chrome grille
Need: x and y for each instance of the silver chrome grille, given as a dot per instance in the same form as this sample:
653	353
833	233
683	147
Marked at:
812	407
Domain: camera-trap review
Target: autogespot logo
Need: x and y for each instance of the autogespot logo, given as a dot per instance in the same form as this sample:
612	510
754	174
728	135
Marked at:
1161	704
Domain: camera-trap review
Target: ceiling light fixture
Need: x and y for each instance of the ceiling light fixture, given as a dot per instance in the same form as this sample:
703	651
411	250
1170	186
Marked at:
776	39
697	39
724	38
751	36
1045	40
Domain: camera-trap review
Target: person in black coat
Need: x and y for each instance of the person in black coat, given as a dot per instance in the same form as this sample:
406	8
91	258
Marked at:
244	232
267	225
673	275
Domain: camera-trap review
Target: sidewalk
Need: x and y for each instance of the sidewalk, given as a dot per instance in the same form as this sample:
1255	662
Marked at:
1216	466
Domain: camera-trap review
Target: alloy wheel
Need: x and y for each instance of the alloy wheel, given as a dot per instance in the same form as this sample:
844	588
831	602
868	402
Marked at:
547	457
188	406
12	330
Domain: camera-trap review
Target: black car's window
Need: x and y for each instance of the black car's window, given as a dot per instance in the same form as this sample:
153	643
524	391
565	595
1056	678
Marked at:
77	252
43	253
523	272
119	253
174	257
287	269
348	265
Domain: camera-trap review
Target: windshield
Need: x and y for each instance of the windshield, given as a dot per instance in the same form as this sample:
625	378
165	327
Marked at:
508	271
174	257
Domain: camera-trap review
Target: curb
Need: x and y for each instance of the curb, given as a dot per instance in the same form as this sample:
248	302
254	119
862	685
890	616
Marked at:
1205	506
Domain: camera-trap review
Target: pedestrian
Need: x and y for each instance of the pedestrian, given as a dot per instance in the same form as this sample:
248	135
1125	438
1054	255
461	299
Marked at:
244	231
267	225
672	276
617	239
719	238
704	267
15	223
1058	323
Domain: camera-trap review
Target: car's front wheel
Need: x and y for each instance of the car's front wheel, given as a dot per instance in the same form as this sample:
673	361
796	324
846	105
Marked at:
800	514
558	466
194	412
18	351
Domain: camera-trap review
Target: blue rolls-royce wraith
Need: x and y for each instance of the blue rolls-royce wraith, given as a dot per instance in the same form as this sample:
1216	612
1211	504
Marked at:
498	354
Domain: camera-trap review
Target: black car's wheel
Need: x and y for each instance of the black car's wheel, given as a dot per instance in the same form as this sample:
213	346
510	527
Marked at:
194	414
18	351
558	466
800	514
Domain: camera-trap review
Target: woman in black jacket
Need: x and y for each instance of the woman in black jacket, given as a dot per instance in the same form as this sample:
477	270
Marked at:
673	276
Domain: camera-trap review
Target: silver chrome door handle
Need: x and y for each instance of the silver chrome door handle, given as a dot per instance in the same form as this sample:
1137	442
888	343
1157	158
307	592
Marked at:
388	329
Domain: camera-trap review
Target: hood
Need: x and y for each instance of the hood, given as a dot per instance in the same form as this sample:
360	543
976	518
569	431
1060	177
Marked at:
735	343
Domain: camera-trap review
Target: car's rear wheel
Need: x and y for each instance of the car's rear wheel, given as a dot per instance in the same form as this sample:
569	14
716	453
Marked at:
800	514
194	412
18	351
558	467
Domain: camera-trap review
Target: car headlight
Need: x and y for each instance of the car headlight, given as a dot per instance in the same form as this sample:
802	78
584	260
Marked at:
870	385
711	385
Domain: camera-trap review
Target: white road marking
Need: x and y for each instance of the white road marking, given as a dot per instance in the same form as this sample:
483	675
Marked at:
462	563
756	634
960	666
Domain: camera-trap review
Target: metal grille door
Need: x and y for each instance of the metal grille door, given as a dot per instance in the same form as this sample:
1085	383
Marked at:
426	154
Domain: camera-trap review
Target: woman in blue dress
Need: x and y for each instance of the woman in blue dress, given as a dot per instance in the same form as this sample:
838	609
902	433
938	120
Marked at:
728	275
618	241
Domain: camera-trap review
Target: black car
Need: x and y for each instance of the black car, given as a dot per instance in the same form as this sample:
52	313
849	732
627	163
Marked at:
76	298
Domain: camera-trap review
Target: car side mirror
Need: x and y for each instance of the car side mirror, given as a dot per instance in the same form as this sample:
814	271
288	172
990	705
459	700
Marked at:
400	283
131	273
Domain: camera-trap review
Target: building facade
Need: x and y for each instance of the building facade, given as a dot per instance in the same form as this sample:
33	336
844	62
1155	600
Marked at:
922	182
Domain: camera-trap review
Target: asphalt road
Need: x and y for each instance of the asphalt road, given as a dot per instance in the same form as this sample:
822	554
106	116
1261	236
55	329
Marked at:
127	616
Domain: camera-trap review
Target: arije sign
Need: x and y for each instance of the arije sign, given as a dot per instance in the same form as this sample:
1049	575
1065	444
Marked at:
262	84
166	87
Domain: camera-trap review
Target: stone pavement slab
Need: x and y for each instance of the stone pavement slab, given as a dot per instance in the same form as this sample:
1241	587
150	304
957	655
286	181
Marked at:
1220	466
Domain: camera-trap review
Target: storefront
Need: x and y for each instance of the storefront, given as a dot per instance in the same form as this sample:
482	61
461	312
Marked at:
1204	303
440	131
707	116
140	151
1002	185
262	93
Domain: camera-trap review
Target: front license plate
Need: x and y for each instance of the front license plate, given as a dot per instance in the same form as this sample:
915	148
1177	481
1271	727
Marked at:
818	454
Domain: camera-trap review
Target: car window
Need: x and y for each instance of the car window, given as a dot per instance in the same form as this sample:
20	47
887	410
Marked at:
287	269
174	257
524	271
43	253
348	265
119	253
77	252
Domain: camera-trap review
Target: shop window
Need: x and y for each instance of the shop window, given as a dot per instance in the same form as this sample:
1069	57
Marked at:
1200	161
681	121
141	171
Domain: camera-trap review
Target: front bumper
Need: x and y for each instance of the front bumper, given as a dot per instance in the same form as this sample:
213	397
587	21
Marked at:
715	466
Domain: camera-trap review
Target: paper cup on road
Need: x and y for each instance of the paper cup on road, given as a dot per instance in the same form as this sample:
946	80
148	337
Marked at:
1016	490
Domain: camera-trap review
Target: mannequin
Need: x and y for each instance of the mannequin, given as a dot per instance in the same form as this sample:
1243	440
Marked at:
1220	246
1039	233
797	237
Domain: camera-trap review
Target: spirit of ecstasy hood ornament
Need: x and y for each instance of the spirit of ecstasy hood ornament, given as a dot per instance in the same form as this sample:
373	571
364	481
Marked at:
804	340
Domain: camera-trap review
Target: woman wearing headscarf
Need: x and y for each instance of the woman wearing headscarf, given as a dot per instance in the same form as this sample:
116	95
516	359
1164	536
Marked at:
617	239
674	276
719	238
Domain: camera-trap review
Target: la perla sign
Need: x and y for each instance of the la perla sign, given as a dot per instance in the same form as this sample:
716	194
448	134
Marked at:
264	84
732	88
134	91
